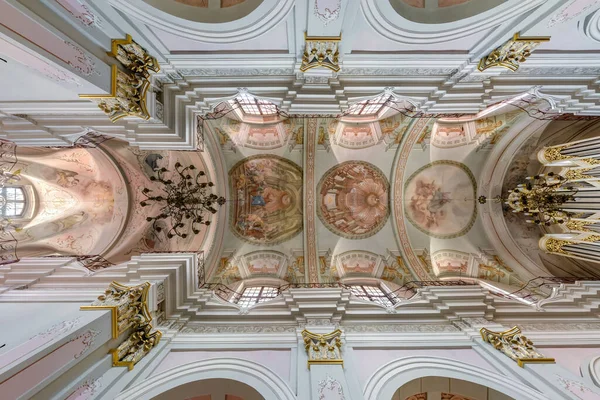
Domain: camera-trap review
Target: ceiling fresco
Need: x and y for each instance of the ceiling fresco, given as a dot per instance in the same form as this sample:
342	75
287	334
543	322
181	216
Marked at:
266	204
306	206
72	205
353	199
440	199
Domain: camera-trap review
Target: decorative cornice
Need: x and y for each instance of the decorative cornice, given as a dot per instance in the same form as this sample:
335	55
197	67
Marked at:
399	328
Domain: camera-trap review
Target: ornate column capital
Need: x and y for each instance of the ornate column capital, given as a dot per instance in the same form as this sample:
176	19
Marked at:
321	52
128	305
512	53
323	348
130	81
515	345
135	347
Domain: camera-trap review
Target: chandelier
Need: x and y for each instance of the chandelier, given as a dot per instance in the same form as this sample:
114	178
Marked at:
541	199
185	200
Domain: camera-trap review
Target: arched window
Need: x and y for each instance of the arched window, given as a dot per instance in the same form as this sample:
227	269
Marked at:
12	201
375	294
256	294
253	106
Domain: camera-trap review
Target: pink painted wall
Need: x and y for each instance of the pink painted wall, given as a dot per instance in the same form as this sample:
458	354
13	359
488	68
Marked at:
369	360
278	361
570	358
18	384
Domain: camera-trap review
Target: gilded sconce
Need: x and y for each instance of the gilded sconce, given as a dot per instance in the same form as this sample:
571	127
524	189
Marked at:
323	349
512	53
321	52
130	81
515	345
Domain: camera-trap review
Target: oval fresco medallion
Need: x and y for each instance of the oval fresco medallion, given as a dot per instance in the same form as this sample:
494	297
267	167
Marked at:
439	199
266	205
353	199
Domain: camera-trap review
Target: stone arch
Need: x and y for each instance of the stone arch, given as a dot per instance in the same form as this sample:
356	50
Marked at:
387	379
260	378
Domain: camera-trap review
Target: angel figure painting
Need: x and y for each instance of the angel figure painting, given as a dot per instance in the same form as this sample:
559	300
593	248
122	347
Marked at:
267	199
439	199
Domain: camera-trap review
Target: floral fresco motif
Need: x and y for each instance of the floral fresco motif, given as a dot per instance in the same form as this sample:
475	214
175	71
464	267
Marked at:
266	206
353	199
439	199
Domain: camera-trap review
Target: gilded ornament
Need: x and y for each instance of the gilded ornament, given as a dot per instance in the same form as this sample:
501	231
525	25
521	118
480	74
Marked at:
129	308
135	347
512	53
579	225
591	238
556	245
128	305
129	83
590	161
554	154
321	52
515	345
323	349
574	174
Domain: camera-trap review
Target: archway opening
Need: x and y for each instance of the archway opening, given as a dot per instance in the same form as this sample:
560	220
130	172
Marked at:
211	389
441	388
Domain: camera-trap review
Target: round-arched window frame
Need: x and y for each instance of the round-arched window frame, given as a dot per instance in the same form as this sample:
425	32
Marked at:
13	201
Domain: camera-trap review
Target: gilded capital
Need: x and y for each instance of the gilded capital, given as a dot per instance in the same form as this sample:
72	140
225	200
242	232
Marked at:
323	349
515	345
128	305
135	347
321	52
130	81
512	53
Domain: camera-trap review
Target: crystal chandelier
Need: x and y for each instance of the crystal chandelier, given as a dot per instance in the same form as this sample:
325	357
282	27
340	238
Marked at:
541	199
185	200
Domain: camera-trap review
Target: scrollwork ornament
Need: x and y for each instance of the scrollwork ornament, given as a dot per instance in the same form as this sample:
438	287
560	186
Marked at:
128	306
135	347
515	345
578	174
511	54
553	245
321	52
130	85
332	385
579	225
554	154
323	348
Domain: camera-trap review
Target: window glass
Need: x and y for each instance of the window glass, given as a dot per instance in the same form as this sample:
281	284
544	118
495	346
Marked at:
250	105
13	203
256	294
369	107
374	293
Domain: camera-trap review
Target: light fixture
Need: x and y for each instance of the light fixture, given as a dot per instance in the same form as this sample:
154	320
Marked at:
185	200
540	199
